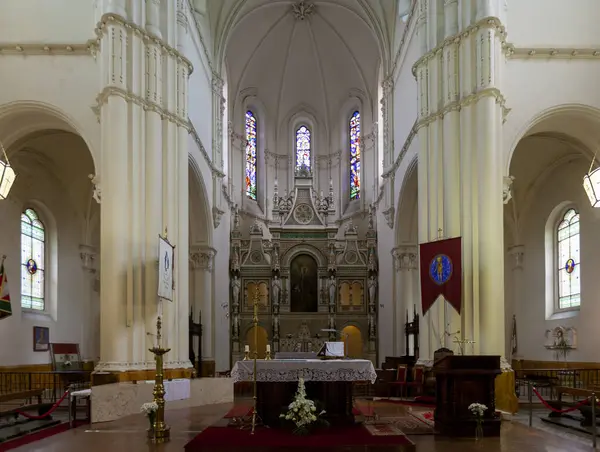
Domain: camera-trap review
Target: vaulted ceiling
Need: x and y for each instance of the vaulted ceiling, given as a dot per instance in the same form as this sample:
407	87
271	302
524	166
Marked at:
316	57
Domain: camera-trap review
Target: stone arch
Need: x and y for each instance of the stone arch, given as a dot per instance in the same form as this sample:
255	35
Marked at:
353	342
303	248
542	122
20	119
406	222
200	212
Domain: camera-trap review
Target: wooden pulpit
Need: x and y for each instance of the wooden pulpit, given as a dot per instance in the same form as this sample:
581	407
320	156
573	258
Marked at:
461	381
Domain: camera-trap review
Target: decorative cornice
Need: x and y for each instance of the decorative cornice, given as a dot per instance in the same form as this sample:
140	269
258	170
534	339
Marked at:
215	171
102	98
115	19
405	257
88	48
486	22
202	257
454	106
551	53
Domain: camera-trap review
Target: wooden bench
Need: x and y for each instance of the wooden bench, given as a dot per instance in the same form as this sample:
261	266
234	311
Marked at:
21	395
585	410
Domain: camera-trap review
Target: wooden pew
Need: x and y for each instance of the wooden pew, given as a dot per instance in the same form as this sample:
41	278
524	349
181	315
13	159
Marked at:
21	395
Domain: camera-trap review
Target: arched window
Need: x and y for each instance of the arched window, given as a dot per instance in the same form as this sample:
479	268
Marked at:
354	133
251	150
303	148
33	244
567	242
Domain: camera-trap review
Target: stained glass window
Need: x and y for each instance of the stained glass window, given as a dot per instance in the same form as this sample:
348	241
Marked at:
355	155
33	241
569	271
303	147
251	150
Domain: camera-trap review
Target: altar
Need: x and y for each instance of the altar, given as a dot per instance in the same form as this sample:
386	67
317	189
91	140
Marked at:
328	383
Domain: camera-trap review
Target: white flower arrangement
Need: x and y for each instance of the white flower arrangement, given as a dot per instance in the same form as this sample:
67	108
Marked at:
67	363
478	409
149	408
302	411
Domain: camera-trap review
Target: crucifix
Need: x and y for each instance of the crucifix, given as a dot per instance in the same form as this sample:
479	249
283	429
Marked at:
440	236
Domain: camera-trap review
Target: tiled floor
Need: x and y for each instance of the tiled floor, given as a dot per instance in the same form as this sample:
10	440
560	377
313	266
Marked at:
128	435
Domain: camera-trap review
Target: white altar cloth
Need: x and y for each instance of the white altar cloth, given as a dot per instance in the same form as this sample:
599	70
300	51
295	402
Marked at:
282	370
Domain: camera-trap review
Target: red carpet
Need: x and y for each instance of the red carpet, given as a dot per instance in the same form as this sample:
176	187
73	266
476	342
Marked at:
37	436
214	439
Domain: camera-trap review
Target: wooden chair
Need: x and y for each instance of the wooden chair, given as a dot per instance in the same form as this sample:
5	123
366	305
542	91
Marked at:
401	381
418	380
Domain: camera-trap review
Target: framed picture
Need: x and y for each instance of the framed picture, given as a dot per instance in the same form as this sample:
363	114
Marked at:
65	357
41	338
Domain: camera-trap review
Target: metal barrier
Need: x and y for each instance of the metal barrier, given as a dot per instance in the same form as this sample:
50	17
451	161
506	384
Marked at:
52	384
546	379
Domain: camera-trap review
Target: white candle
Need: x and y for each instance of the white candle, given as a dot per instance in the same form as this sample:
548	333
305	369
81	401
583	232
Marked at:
268	347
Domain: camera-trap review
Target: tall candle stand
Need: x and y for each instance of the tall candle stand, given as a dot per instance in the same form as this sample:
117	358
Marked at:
256	420
461	343
161	432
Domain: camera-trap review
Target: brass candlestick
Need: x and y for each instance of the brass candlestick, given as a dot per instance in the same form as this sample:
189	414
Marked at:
161	432
256	420
246	355
268	355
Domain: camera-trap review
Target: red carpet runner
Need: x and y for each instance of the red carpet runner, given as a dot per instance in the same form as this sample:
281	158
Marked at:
218	438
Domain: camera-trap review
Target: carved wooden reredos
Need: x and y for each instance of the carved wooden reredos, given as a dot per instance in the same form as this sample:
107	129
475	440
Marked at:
311	274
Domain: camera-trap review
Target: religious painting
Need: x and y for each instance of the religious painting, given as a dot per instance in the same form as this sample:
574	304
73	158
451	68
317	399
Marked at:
65	357
304	284
41	339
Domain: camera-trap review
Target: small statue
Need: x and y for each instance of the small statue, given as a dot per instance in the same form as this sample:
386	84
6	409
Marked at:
236	326
276	290
235	290
372	289
332	287
276	327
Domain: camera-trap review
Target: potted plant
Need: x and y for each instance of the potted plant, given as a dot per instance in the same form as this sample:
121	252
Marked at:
478	409
302	412
150	410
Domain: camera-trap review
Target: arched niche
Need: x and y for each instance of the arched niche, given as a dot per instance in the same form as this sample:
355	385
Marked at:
353	341
351	295
304	283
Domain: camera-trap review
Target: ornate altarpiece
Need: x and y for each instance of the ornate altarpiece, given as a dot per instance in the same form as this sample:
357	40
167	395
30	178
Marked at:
311	275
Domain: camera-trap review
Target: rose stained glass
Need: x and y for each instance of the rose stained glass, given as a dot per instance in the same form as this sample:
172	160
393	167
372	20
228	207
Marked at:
355	155
569	271
33	241
251	155
303	148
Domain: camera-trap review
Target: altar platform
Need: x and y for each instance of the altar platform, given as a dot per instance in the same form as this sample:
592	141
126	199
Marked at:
328	383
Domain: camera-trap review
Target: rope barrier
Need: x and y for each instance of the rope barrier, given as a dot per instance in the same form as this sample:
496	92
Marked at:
566	410
48	413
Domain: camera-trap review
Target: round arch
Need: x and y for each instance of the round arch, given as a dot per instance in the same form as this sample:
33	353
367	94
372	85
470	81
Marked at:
543	121
20	119
303	248
406	213
200	212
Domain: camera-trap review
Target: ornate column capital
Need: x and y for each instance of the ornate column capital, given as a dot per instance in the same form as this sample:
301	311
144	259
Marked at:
517	252
88	254
405	257
201	257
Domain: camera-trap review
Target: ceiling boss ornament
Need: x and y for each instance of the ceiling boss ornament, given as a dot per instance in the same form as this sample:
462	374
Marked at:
303	10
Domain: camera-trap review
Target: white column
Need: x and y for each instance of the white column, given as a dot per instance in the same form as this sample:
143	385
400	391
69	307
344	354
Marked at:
153	17
182	268
116	240
451	149
153	185
203	257
89	348
490	241
115	7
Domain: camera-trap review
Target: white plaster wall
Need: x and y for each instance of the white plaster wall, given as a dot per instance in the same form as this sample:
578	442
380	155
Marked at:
549	23
221	295
42	21
563	184
68	84
76	303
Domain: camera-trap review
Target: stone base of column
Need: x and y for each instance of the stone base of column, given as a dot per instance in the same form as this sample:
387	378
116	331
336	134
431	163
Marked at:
107	377
207	368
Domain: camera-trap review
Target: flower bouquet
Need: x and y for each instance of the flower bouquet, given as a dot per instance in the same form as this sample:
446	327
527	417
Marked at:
478	409
150	410
302	411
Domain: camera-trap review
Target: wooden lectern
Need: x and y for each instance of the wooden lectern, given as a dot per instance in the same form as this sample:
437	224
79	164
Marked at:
461	381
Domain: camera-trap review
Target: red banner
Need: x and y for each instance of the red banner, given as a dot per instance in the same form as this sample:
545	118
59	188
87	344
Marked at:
441	272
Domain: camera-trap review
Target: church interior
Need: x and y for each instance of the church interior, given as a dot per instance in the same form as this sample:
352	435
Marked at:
378	210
